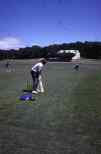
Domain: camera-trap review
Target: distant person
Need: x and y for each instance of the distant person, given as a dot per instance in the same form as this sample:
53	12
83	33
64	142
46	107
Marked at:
36	74
7	64
76	67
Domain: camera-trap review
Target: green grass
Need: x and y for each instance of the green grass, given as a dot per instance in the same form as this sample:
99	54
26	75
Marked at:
63	120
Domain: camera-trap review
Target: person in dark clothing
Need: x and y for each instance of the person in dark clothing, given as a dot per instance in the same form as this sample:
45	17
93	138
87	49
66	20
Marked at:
7	64
76	67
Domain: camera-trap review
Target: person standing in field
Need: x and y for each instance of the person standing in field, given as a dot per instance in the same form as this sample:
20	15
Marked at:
36	74
7	64
76	67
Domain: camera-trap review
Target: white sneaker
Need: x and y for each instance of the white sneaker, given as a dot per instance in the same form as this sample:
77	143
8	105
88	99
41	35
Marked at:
34	92
38	90
42	91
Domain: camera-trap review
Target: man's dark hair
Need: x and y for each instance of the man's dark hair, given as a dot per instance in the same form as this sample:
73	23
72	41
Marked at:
43	61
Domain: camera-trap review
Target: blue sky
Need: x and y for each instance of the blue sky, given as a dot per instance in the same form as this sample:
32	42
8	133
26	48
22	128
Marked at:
44	22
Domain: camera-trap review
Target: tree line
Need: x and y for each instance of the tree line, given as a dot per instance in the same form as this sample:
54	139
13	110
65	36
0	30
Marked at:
87	49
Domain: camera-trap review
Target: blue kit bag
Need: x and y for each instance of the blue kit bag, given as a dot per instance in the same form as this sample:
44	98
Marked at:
26	97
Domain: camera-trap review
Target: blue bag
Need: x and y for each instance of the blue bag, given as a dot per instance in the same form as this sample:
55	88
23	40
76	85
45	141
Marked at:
26	97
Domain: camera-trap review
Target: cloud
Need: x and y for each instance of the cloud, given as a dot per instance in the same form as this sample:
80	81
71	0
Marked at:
8	43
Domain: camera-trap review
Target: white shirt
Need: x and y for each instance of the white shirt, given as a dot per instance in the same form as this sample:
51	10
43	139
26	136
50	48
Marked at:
37	67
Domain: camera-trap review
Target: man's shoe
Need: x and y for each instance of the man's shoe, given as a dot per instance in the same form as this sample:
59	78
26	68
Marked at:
34	92
38	90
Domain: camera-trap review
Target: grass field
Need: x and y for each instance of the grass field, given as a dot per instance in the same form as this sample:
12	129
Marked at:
66	119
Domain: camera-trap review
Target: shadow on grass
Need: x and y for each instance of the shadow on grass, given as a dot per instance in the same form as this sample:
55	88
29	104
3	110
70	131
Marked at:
27	90
32	99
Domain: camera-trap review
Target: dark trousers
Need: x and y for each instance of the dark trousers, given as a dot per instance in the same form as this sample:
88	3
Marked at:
35	77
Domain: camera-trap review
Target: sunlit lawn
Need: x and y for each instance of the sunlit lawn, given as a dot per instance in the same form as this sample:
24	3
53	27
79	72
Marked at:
66	119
